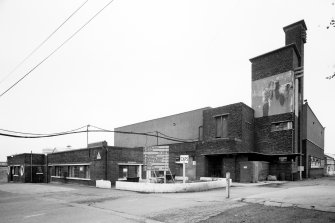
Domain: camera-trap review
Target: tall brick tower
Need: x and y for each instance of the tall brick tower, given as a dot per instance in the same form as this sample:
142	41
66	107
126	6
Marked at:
277	97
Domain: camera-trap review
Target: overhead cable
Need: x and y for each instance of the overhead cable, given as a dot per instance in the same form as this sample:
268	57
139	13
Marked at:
42	43
41	134
54	51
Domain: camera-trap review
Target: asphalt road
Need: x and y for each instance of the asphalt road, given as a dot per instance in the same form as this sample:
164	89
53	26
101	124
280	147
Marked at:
75	203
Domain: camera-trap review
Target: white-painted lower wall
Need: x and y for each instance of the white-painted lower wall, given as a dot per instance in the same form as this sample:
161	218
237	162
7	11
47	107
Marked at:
170	188
103	184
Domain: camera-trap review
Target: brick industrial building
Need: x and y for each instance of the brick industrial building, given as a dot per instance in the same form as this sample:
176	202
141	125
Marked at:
279	135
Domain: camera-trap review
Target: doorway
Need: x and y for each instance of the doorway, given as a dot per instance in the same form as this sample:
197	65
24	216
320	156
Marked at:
215	166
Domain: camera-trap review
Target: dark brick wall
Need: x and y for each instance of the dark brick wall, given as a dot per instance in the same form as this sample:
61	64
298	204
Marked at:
275	62
25	159
248	128
97	166
277	142
122	155
285	170
72	156
240	127
175	150
296	34
219	146
222	164
253	171
234	112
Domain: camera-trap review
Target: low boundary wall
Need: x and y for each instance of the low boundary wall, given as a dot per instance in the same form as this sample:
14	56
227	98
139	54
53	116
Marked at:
170	188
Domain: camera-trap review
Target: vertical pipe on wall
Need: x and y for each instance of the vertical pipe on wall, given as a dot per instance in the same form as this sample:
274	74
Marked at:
157	137
31	166
106	162
87	135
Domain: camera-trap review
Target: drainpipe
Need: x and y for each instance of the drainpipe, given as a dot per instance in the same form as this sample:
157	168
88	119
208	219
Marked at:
106	162
31	166
199	134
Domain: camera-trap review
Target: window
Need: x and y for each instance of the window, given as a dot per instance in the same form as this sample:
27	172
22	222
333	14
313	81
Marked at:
16	170
279	126
79	171
58	171
316	162
221	126
128	171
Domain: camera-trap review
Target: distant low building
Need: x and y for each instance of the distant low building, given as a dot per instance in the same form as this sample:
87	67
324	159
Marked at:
3	172
329	168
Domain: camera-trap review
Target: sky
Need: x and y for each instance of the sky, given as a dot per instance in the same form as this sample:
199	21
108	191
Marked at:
141	60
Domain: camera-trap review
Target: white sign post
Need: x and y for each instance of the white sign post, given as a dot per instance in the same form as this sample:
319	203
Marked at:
184	159
228	184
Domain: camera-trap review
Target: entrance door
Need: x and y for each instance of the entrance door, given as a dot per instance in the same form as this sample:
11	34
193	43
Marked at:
11	171
215	166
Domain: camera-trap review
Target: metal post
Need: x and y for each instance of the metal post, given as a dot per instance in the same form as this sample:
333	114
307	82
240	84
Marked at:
87	134
184	179
157	137
228	184
106	162
31	166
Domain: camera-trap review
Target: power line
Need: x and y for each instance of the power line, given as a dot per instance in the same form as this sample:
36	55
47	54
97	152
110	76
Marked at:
78	30
42	43
85	131
167	136
36	136
41	134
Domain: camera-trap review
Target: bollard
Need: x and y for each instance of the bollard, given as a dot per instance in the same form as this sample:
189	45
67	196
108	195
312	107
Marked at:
228	184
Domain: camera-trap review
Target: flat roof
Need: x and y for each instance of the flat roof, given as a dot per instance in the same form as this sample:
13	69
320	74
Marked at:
301	22
276	50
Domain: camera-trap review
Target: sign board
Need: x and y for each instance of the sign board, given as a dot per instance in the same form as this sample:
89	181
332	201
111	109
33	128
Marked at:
98	156
301	168
184	158
156	158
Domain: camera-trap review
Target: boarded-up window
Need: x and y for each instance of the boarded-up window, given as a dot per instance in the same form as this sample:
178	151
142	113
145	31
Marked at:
221	126
280	126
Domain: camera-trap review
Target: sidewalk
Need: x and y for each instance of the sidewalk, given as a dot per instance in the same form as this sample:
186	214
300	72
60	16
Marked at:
315	194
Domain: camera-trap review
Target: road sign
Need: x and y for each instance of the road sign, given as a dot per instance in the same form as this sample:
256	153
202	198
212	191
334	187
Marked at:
184	158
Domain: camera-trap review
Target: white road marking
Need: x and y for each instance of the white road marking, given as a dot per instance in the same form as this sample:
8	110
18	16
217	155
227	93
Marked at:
34	215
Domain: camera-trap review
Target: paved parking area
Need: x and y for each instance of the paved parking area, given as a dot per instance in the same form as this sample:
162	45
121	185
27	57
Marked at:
75	203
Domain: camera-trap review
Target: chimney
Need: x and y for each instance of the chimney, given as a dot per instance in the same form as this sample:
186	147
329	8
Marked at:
296	33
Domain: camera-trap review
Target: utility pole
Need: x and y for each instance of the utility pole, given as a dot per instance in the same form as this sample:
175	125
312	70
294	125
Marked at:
157	137
31	166
87	134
